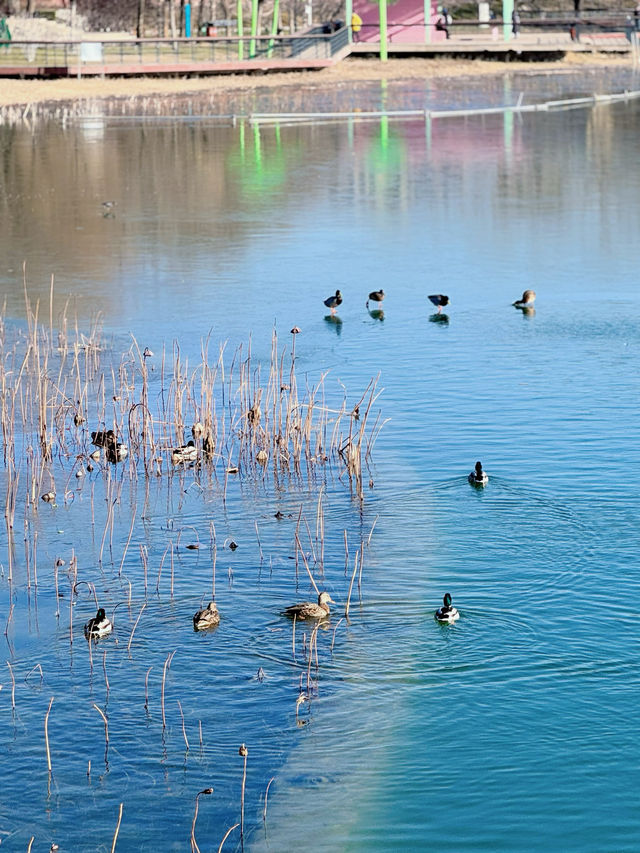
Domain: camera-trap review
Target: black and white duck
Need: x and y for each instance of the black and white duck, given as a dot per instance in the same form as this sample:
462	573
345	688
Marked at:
447	613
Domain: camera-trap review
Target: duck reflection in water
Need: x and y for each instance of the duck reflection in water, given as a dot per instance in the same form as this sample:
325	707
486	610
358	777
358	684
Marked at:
529	311
335	321
376	314
442	319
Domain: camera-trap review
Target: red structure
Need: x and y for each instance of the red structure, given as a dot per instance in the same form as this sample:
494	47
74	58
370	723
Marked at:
406	21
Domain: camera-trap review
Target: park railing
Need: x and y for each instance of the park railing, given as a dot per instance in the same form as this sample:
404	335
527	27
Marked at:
188	54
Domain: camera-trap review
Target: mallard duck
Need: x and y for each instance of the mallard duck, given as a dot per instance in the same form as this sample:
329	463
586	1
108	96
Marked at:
528	298
332	302
439	300
447	613
99	626
116	452
207	618
375	296
309	610
187	453
478	477
103	438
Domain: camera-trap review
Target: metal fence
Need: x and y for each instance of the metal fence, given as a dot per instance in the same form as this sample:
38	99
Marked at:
191	52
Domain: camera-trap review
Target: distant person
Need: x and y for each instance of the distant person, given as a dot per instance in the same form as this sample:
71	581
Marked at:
441	23
515	23
356	26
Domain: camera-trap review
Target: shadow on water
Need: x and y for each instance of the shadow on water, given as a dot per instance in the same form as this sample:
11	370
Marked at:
442	319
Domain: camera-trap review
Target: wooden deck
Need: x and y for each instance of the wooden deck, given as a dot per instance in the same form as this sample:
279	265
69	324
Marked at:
201	57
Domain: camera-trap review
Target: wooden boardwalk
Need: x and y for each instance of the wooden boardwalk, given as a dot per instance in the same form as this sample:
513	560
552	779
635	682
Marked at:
201	57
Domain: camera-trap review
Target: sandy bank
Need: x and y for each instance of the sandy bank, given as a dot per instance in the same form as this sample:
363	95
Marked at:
23	92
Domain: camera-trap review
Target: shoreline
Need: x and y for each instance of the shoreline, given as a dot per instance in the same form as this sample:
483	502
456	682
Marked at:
23	93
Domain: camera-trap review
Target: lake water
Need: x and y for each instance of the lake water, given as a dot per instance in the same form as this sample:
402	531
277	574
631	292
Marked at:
513	729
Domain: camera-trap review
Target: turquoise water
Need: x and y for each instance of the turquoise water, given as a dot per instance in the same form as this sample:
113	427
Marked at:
514	729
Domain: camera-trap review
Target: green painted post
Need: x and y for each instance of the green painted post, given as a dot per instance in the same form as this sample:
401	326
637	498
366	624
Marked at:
348	12
240	30
254	28
427	21
507	12
383	30
274	26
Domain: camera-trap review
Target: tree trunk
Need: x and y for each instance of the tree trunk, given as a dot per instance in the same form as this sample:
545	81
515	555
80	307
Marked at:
140	24
172	19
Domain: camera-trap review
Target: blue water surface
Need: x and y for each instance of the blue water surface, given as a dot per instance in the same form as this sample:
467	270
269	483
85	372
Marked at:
513	729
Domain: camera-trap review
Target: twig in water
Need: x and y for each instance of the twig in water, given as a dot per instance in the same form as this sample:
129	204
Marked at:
46	734
135	626
115	835
226	835
167	664
353	577
13	686
184	731
106	734
333	639
244	752
266	794
146	689
194	845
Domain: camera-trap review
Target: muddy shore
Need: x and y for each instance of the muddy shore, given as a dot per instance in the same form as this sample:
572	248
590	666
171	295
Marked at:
24	92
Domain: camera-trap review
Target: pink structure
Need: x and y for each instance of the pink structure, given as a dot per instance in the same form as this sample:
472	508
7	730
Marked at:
405	21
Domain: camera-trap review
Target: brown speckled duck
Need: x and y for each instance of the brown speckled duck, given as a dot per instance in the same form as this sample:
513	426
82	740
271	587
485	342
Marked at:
207	618
309	610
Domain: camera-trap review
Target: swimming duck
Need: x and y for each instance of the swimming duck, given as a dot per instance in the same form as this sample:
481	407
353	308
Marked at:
376	296
207	618
116	452
99	626
439	300
309	610
528	298
478	477
187	453
332	302
447	613
103	438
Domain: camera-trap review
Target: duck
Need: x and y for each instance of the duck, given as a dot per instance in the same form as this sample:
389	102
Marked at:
187	453
375	296
447	613
528	298
309	610
207	618
99	626
439	300
103	438
116	452
332	302
478	477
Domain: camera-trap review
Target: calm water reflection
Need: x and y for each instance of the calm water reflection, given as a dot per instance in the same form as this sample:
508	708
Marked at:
509	731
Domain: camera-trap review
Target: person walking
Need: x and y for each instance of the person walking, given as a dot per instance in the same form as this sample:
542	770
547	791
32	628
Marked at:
515	22
356	26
